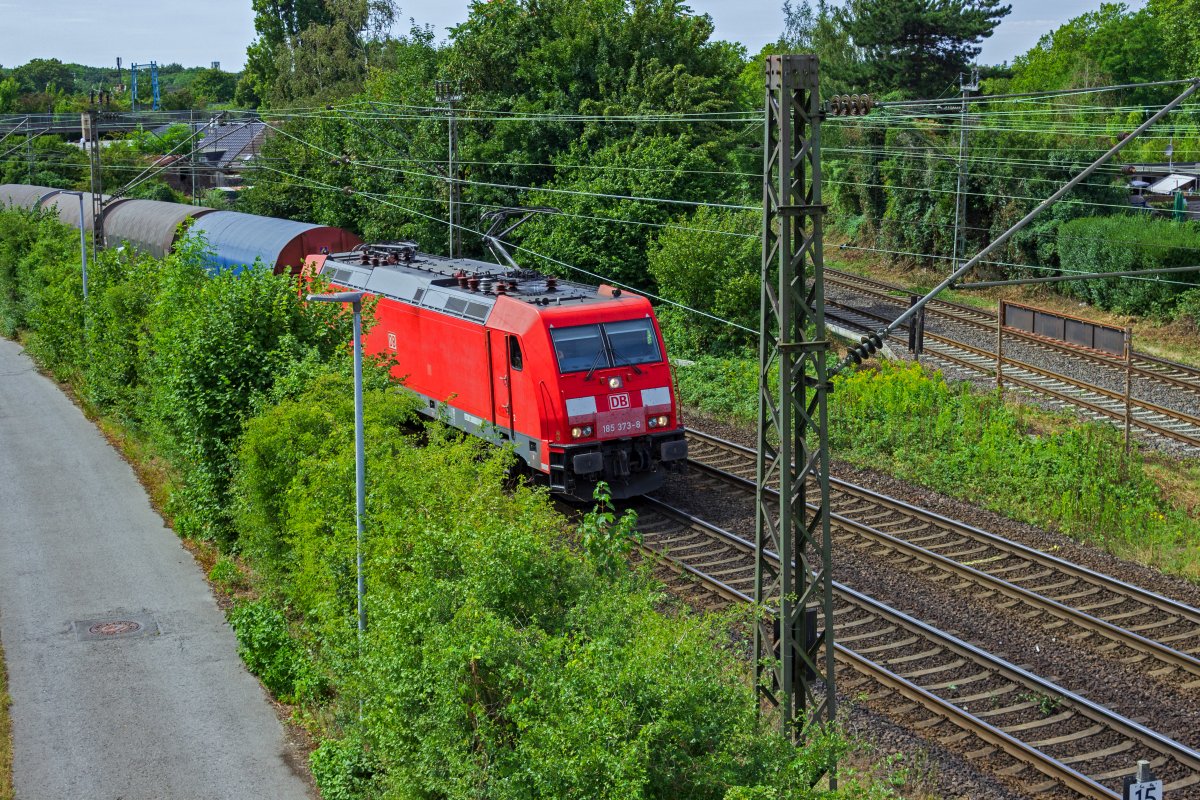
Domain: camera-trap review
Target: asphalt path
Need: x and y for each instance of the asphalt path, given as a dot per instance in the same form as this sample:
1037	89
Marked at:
124	677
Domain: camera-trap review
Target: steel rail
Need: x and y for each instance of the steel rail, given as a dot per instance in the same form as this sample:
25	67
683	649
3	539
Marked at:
1174	610
1134	641
986	366
986	321
1021	751
857	353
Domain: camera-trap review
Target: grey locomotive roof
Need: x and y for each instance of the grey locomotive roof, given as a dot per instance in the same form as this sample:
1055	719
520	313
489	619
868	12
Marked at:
463	287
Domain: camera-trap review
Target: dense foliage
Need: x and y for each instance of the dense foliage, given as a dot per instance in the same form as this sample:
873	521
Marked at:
520	671
499	660
1126	243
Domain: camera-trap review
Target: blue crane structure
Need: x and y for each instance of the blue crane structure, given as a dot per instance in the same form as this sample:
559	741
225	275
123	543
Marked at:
133	94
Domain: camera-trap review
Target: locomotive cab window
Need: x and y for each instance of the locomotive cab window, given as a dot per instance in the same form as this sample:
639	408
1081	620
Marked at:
582	348
632	341
514	353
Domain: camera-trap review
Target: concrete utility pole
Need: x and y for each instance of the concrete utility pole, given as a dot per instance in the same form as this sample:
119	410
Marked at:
91	136
960	211
795	590
449	93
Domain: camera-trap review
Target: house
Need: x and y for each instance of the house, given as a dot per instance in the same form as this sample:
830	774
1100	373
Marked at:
222	151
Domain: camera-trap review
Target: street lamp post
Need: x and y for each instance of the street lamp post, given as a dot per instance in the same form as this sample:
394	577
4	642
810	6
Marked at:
355	299
82	242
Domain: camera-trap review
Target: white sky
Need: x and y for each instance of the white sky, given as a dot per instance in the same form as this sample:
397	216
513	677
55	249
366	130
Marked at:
197	32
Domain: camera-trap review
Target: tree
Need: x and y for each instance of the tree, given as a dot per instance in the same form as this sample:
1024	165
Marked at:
917	47
8	94
306	49
1111	45
1180	35
214	86
43	75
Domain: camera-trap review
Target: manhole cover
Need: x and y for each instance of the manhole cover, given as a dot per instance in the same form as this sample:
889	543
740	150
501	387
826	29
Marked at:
117	628
125	626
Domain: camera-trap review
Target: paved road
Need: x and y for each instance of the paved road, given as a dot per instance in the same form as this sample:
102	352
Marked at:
100	710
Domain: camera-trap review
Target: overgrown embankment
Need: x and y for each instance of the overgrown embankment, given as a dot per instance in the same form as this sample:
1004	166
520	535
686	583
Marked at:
1027	464
497	661
6	778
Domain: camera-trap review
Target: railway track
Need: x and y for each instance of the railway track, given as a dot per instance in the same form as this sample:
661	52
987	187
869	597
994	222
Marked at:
1031	731
1155	634
1063	392
1169	373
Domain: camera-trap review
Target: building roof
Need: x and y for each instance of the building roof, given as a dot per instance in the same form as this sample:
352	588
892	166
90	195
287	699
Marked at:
1171	183
226	145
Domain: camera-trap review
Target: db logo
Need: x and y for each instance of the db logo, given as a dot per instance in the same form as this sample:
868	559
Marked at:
616	401
391	340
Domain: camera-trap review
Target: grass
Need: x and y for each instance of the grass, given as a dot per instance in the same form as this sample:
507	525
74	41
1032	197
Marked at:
6	751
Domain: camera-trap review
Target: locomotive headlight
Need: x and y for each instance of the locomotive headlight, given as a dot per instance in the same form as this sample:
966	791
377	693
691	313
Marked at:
663	421
587	430
576	432
614	382
652	422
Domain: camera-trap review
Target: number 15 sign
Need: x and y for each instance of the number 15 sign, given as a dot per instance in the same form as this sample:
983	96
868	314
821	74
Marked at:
1146	790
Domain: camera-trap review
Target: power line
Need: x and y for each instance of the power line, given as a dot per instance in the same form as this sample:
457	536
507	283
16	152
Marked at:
386	201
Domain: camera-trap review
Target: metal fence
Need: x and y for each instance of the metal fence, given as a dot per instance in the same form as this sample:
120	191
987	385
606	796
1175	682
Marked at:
1063	328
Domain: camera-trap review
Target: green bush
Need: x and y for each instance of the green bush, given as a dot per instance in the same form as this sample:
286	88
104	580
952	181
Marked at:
1187	309
720	386
217	343
19	232
496	661
266	645
343	769
710	262
1123	243
51	282
122	291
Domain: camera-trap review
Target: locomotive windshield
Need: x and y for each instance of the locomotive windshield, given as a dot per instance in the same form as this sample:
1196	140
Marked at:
584	348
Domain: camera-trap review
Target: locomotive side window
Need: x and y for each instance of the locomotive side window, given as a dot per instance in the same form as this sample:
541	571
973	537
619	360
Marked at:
514	353
582	348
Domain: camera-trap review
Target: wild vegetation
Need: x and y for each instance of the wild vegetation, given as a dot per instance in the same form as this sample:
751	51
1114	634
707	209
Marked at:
636	124
505	655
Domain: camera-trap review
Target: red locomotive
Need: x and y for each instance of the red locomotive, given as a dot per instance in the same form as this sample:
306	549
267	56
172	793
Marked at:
575	378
